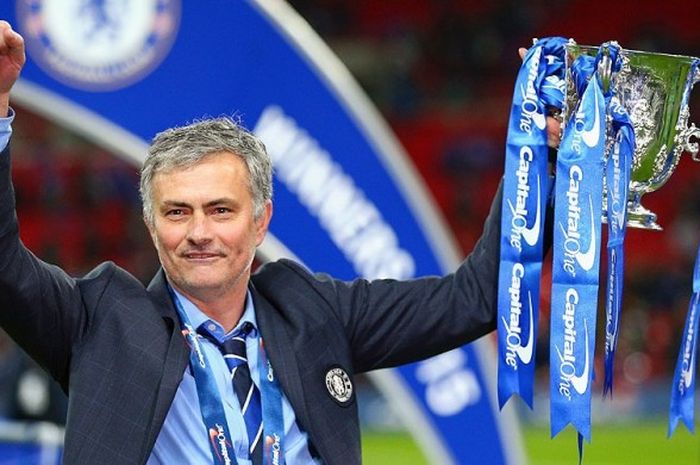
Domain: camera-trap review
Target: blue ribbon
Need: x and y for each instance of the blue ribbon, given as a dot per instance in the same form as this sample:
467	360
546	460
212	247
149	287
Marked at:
211	404
540	83
683	388
576	255
273	423
617	177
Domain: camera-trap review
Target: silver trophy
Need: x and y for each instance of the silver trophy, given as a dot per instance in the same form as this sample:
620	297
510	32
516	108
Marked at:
654	89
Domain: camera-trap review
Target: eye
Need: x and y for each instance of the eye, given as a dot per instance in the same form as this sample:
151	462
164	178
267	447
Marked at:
222	210
174	213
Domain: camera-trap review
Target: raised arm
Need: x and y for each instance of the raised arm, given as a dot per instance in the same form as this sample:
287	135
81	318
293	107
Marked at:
40	306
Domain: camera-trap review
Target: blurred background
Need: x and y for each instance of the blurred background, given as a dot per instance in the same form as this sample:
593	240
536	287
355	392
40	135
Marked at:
442	74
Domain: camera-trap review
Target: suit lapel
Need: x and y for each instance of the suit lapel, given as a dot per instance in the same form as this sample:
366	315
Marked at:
175	361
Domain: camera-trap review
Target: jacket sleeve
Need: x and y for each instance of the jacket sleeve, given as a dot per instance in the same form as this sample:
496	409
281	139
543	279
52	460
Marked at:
40	305
390	322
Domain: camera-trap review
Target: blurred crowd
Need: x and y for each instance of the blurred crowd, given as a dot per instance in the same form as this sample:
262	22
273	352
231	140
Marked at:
441	72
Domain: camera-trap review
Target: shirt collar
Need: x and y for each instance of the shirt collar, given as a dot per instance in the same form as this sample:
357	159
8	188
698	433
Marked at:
197	317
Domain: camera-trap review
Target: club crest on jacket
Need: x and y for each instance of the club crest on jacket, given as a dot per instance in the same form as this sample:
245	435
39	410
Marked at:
339	385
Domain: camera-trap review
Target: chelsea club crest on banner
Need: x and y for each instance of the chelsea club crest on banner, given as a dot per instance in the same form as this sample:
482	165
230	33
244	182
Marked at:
98	45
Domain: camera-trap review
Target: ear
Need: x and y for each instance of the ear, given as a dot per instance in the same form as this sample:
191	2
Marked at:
262	223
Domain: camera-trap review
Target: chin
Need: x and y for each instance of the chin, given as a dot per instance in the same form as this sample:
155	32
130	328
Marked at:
193	283
204	284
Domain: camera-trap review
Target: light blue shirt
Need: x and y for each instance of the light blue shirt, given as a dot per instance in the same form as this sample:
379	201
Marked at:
183	438
6	129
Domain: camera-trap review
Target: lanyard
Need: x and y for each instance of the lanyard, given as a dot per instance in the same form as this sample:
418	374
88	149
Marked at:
211	404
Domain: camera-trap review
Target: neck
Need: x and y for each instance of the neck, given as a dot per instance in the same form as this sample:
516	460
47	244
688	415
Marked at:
226	309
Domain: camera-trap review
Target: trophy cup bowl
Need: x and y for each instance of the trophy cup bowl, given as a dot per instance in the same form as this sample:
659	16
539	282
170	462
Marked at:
654	88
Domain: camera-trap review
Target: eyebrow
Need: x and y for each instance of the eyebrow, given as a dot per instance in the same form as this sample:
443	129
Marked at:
211	203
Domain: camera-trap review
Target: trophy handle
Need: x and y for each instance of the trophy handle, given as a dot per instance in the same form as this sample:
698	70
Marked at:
605	68
692	131
690	146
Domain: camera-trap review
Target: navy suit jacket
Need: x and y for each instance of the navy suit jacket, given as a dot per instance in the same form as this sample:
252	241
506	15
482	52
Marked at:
116	348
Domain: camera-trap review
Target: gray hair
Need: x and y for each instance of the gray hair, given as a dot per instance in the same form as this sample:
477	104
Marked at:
185	146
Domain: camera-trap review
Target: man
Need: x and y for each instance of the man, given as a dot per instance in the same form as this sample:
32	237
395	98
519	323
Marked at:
148	370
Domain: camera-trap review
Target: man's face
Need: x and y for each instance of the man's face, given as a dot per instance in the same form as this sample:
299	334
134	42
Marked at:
204	229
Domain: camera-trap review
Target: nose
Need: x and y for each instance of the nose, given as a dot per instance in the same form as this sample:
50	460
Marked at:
199	232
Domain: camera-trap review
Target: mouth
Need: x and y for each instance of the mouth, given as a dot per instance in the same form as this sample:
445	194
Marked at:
201	257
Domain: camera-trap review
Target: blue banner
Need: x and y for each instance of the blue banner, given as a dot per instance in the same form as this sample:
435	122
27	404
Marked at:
119	72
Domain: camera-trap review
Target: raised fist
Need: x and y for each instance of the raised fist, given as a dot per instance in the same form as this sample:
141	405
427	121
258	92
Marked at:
12	56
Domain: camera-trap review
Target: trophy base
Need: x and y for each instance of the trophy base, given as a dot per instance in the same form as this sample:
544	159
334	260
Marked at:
638	217
642	218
